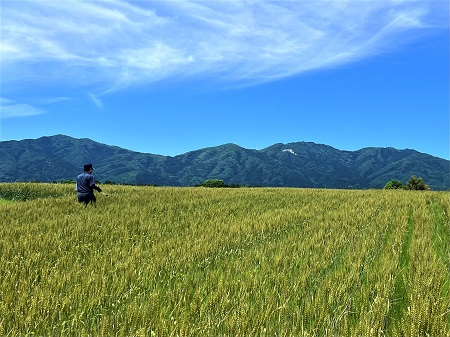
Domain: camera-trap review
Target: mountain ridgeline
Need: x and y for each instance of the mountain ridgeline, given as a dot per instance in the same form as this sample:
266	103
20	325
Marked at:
300	164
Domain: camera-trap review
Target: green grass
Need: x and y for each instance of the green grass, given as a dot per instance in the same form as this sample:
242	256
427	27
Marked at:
5	201
151	261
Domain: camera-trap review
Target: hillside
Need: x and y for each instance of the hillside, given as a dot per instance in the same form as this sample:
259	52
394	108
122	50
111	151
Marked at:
299	164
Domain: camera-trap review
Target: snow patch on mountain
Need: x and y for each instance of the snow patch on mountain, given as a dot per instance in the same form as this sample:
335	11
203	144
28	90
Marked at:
290	151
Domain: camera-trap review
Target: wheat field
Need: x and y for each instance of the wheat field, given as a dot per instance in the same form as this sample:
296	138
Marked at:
167	261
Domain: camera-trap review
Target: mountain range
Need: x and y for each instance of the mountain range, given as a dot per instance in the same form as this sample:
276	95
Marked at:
300	164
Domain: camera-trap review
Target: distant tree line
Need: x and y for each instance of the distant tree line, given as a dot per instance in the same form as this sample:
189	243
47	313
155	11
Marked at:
414	183
218	183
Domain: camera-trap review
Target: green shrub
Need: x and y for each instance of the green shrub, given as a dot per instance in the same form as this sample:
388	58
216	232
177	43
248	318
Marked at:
417	184
394	185
214	183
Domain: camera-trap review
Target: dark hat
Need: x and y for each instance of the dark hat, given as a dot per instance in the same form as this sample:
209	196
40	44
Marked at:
88	167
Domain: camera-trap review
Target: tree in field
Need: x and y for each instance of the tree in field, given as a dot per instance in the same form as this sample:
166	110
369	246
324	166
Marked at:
214	183
394	185
415	183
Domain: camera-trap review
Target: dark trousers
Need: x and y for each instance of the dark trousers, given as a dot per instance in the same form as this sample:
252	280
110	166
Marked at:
86	198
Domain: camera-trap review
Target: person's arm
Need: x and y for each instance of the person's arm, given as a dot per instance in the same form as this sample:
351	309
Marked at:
93	186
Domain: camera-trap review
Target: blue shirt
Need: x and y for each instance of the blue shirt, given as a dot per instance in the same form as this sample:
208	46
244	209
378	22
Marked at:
85	183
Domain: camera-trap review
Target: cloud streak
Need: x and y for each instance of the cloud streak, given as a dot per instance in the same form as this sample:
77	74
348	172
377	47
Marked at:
10	109
114	44
96	101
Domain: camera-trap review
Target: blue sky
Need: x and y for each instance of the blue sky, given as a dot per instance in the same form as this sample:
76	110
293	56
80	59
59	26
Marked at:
168	77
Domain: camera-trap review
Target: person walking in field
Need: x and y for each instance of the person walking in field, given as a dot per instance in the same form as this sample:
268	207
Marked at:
86	186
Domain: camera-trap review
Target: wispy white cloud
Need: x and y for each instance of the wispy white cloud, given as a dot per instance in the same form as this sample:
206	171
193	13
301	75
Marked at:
50	100
10	109
114	44
96	101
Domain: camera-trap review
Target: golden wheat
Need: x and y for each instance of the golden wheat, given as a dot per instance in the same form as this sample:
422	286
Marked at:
160	261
